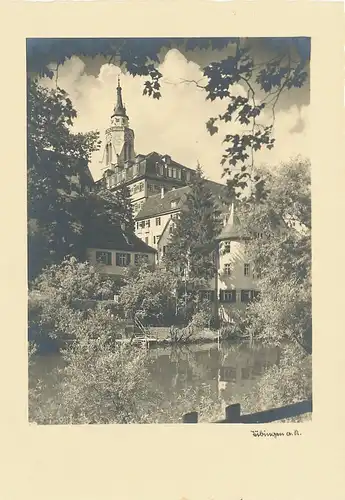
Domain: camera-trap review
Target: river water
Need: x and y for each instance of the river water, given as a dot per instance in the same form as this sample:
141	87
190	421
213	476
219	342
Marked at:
230	369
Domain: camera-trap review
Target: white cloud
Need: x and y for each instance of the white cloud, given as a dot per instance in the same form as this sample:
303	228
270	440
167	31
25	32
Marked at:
174	124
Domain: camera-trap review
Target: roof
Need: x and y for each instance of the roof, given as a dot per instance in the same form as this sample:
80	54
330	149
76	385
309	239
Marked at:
156	205
232	228
119	109
115	238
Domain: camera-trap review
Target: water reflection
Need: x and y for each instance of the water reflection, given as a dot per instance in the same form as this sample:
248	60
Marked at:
231	370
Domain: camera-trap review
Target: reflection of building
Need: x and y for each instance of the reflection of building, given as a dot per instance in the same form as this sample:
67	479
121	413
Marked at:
242	367
230	371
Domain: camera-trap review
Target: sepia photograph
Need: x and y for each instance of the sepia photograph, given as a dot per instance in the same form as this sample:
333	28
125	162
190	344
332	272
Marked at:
169	230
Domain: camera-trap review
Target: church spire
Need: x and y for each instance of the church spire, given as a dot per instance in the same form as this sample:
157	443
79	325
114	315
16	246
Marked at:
119	109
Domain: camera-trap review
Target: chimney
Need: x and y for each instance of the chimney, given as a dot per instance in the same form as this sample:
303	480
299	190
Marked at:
162	191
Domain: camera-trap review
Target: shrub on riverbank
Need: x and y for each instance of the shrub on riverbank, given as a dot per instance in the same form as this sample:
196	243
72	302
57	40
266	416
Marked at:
54	293
106	383
287	383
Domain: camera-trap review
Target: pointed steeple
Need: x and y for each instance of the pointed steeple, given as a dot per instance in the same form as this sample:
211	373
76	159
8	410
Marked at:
232	228
119	109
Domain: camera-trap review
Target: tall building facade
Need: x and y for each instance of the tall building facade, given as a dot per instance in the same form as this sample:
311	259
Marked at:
145	175
158	186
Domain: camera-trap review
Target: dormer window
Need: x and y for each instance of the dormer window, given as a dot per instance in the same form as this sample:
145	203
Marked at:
173	204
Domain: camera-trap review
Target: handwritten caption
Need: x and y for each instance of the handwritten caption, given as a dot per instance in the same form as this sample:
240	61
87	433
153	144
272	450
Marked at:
275	435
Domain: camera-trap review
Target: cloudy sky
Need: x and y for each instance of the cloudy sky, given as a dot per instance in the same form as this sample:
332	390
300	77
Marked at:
175	124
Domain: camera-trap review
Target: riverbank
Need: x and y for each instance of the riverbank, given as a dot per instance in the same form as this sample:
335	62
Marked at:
205	337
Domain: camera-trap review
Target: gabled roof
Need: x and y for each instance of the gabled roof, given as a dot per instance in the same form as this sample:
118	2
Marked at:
156	205
115	238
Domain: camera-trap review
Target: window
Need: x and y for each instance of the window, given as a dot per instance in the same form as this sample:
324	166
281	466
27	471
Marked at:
173	204
169	172
164	250
141	186
246	269
147	223
246	295
227	374
174	173
156	239
227	247
158	221
227	269
207	294
187	175
123	259
137	222
256	294
228	295
103	258
142	222
139	257
178	173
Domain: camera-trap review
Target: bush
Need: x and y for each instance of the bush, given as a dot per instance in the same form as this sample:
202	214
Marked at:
56	292
288	383
148	294
104	383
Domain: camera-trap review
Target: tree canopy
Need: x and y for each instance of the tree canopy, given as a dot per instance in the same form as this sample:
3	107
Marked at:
62	201
281	253
265	68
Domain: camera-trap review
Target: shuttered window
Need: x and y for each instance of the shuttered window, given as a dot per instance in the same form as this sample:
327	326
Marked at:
123	259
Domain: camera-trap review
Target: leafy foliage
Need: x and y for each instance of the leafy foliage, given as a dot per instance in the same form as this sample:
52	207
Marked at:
55	291
281	252
287	383
107	208
58	177
62	203
263	81
102	383
148	294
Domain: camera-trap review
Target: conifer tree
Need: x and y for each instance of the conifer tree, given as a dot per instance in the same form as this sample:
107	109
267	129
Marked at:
190	251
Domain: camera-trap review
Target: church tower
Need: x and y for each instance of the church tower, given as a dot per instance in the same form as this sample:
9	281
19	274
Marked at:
119	148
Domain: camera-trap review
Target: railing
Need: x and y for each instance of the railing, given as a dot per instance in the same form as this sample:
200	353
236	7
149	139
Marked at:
233	414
